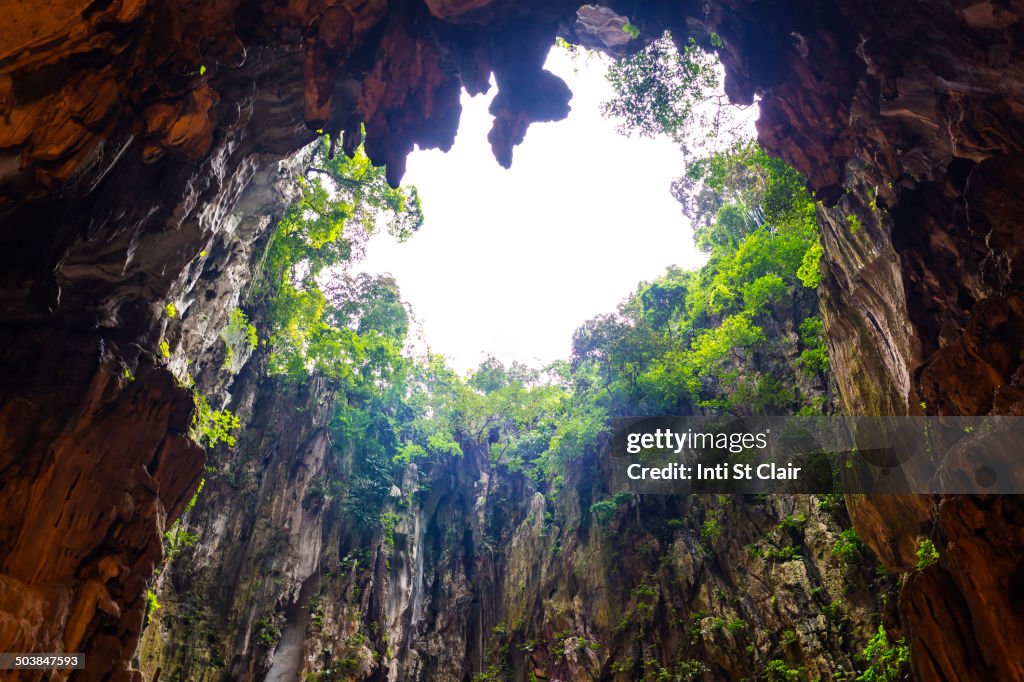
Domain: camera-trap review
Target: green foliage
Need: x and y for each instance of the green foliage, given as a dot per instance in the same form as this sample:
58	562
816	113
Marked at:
831	502
736	624
195	498
847	546
798	520
267	633
784	554
530	421
715	346
730	193
689	338
927	553
604	511
886	661
312	325
778	671
813	358
151	605
337	193
711	529
238	335
762	291
659	90
210	426
350	331
240	329
388	522
177	538
809	273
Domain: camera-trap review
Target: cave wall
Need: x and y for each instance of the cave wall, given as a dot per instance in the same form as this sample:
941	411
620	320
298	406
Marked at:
137	139
906	120
479	573
130	130
97	437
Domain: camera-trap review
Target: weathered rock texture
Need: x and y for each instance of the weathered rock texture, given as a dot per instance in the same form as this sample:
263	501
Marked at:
475	572
907	121
129	130
483	575
137	139
95	430
75	570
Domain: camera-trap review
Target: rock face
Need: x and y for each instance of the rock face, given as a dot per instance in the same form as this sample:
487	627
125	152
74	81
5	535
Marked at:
87	88
478	575
906	122
130	132
74	571
96	433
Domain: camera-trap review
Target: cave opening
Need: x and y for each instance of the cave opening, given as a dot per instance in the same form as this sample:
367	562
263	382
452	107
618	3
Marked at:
476	472
229	451
509	262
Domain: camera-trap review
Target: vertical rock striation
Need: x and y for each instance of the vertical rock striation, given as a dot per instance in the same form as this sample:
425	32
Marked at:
471	571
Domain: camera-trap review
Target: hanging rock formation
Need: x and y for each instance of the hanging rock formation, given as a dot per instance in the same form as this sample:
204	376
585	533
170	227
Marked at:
131	130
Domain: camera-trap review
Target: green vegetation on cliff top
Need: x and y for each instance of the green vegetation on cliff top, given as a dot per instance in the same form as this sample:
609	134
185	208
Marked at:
683	342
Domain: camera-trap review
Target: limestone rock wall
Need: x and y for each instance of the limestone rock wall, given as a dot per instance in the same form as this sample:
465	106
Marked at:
482	575
904	119
96	424
74	571
130	130
470	570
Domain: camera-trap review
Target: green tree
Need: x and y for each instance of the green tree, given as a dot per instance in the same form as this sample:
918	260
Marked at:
689	339
342	200
660	90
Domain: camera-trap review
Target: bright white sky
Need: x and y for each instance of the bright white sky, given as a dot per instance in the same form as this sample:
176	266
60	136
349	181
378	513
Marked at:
510	262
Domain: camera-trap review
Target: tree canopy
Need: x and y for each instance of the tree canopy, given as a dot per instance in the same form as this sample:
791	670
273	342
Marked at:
674	90
687	341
